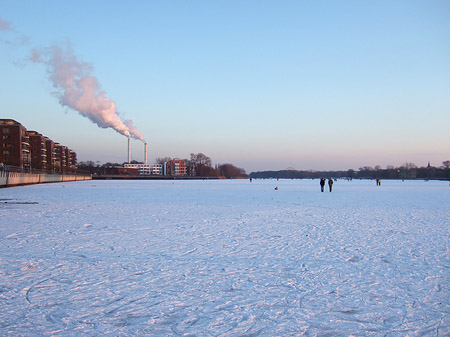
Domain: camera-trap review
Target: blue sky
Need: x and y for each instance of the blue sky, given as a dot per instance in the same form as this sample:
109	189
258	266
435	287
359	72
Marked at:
265	85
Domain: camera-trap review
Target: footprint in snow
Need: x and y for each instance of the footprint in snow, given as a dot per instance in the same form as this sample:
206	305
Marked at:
354	258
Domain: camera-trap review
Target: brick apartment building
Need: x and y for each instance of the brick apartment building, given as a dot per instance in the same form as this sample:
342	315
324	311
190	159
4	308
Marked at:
60	157
176	167
15	147
51	154
38	150
71	160
31	150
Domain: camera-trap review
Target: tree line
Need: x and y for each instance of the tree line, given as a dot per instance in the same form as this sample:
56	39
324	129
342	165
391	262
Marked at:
406	171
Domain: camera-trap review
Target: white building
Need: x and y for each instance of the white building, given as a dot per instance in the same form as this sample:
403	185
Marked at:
147	169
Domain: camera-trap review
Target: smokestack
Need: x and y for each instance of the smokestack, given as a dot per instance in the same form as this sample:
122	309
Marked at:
145	160
129	150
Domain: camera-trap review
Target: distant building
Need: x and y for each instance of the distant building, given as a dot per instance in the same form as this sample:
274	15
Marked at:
15	147
71	160
146	169
51	154
175	167
127	171
38	150
60	157
31	150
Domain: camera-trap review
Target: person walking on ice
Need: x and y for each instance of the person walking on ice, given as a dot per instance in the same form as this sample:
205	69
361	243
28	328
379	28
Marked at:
322	184
330	183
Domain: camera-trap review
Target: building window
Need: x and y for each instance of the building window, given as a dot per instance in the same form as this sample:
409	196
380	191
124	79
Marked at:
6	130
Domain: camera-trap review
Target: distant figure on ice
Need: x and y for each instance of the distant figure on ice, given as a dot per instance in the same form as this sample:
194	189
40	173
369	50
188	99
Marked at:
322	184
330	183
378	182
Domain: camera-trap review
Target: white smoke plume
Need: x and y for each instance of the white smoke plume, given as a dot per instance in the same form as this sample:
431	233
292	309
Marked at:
74	85
134	131
77	89
10	38
4	25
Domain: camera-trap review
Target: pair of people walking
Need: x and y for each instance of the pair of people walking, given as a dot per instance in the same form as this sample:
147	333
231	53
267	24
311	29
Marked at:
322	184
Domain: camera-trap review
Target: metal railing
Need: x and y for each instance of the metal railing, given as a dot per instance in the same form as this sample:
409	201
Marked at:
17	169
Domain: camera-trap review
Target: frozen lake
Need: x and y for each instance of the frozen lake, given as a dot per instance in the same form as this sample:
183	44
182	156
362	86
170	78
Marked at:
225	258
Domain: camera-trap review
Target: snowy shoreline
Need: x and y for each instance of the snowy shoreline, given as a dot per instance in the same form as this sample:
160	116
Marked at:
225	258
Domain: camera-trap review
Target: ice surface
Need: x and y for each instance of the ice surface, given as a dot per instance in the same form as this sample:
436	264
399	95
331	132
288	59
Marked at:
225	258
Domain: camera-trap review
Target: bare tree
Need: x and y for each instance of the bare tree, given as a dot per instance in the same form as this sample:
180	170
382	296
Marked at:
231	171
409	166
200	164
366	168
200	159
206	171
163	160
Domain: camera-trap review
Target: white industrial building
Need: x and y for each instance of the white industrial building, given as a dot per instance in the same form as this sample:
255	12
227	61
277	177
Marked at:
147	169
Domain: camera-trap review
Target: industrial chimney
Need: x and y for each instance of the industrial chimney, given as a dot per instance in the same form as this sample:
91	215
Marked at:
129	150
145	153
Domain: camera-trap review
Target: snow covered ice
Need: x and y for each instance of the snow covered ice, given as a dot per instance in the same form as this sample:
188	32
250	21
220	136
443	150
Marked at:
225	258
